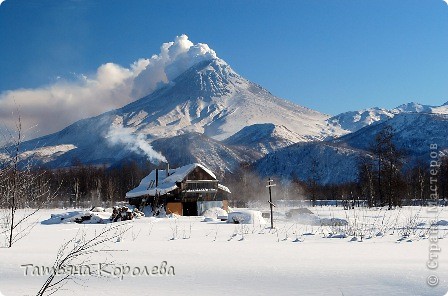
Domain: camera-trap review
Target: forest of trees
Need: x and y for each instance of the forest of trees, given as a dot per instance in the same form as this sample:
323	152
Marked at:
84	185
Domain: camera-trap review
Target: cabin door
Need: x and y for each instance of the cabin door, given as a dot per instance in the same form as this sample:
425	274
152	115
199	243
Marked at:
190	208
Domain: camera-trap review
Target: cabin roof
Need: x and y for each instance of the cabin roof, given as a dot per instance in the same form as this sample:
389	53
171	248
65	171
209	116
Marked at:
167	184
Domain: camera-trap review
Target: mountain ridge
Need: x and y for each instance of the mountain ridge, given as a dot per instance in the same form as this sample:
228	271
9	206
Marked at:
212	115
352	121
209	98
337	160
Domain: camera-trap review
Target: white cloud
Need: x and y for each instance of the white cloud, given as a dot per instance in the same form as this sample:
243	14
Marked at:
1	1
61	103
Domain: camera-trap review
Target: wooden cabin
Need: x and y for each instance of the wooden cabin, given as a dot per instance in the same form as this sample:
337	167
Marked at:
187	190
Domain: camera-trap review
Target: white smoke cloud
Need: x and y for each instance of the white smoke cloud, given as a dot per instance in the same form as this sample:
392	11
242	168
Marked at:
63	102
134	142
174	58
55	106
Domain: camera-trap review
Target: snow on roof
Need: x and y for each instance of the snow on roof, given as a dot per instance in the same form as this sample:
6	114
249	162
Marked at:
224	188
167	184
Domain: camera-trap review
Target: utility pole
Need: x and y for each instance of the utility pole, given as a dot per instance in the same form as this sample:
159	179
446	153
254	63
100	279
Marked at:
271	205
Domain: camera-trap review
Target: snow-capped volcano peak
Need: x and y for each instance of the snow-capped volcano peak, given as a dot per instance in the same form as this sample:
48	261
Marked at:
209	79
212	99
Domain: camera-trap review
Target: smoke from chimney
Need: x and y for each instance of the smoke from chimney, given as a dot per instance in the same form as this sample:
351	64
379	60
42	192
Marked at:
134	142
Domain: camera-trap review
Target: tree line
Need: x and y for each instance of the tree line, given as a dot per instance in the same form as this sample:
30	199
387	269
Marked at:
88	185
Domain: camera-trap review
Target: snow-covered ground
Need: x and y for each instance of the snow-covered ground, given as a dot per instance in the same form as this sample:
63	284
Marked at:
300	257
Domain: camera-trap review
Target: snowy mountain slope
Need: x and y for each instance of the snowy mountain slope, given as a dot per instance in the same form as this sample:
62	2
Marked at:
355	120
195	147
337	160
87	138
412	107
419	108
443	109
333	163
264	138
414	132
209	98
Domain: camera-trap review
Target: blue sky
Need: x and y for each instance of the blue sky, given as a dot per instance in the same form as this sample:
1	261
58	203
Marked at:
332	56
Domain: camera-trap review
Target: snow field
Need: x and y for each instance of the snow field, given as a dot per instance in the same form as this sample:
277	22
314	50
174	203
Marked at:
219	258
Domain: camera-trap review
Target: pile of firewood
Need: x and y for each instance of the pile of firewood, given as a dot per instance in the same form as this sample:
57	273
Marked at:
124	213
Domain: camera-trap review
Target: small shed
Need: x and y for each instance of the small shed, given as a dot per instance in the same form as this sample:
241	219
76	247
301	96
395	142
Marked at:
188	190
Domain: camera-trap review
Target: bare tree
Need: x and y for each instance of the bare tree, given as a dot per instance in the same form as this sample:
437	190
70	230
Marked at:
78	251
314	179
21	186
110	191
76	191
388	168
366	179
417	182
